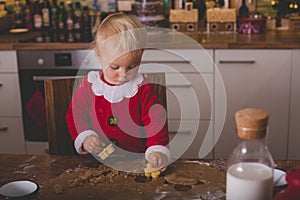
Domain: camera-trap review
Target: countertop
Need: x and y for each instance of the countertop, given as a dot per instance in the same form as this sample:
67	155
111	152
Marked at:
277	39
41	168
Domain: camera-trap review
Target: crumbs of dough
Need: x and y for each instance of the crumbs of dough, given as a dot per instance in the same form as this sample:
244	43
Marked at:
58	189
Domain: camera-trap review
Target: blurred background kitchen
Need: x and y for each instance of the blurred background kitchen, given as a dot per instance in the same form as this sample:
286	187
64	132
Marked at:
76	21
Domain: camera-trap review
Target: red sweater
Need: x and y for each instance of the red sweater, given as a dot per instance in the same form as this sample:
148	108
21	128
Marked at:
128	121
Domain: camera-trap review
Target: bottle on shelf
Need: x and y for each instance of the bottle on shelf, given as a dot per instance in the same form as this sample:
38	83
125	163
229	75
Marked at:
86	25
54	21
37	16
70	22
77	21
46	19
62	17
250	166
18	15
46	14
243	10
28	14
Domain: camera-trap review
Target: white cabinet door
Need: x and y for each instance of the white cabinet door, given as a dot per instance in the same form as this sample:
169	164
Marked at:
187	138
260	79
10	101
11	125
8	62
294	132
189	81
11	135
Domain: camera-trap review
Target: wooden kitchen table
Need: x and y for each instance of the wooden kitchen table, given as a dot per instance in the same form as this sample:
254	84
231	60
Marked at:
40	168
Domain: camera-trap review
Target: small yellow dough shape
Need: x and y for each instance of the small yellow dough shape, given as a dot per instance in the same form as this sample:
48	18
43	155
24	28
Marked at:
151	172
106	152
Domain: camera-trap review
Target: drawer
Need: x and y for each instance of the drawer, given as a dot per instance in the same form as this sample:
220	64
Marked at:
10	102
178	60
187	137
11	135
8	61
189	96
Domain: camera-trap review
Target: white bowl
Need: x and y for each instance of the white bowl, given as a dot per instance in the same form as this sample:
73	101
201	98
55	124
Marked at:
18	188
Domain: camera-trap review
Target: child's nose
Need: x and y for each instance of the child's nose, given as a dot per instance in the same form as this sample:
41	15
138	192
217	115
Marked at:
123	72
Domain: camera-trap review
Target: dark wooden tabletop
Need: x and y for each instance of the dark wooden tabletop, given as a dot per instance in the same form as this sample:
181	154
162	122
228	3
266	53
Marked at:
40	168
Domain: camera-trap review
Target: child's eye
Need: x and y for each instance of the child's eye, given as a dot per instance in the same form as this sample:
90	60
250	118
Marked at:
114	67
131	67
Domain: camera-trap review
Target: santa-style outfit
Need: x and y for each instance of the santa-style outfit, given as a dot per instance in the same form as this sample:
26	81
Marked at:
128	114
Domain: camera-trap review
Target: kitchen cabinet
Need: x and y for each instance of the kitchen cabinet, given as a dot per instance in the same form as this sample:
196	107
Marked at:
11	126
260	79
189	82
294	131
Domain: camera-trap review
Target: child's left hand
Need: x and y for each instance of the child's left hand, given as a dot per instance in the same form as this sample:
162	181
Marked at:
158	160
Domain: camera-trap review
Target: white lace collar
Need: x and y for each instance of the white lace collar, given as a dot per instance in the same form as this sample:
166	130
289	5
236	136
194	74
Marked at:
113	94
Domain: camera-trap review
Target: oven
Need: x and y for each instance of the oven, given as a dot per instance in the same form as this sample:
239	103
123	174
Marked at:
37	66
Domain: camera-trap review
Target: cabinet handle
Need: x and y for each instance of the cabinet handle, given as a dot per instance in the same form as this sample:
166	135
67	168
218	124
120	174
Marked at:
236	61
43	78
166	61
1	84
4	128
180	132
180	86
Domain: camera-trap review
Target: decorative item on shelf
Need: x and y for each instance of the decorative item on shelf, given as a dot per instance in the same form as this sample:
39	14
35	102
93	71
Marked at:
294	23
254	24
149	12
221	20
185	20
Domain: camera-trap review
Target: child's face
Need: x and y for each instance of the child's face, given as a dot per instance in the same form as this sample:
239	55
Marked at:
122	69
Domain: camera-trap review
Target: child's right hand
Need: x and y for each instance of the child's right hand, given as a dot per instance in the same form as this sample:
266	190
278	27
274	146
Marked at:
92	144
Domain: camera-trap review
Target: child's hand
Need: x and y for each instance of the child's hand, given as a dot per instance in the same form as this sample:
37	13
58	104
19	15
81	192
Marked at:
92	144
158	160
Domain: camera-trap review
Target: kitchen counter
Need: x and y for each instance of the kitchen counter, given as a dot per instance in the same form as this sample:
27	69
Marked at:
42	168
279	39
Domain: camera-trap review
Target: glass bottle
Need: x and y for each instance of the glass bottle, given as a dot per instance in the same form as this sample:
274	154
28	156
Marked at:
54	21
77	21
62	22
46	14
18	15
250	166
86	25
243	10
28	15
37	16
70	22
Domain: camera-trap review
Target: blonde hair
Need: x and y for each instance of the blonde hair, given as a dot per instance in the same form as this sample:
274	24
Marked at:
125	32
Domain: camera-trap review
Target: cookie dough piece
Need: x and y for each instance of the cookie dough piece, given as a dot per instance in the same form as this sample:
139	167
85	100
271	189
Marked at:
106	152
180	180
57	189
151	172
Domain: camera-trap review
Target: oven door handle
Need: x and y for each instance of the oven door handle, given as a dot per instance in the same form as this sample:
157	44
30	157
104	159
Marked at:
43	78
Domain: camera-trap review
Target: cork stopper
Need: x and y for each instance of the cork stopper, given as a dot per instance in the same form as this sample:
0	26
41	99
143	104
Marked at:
251	123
